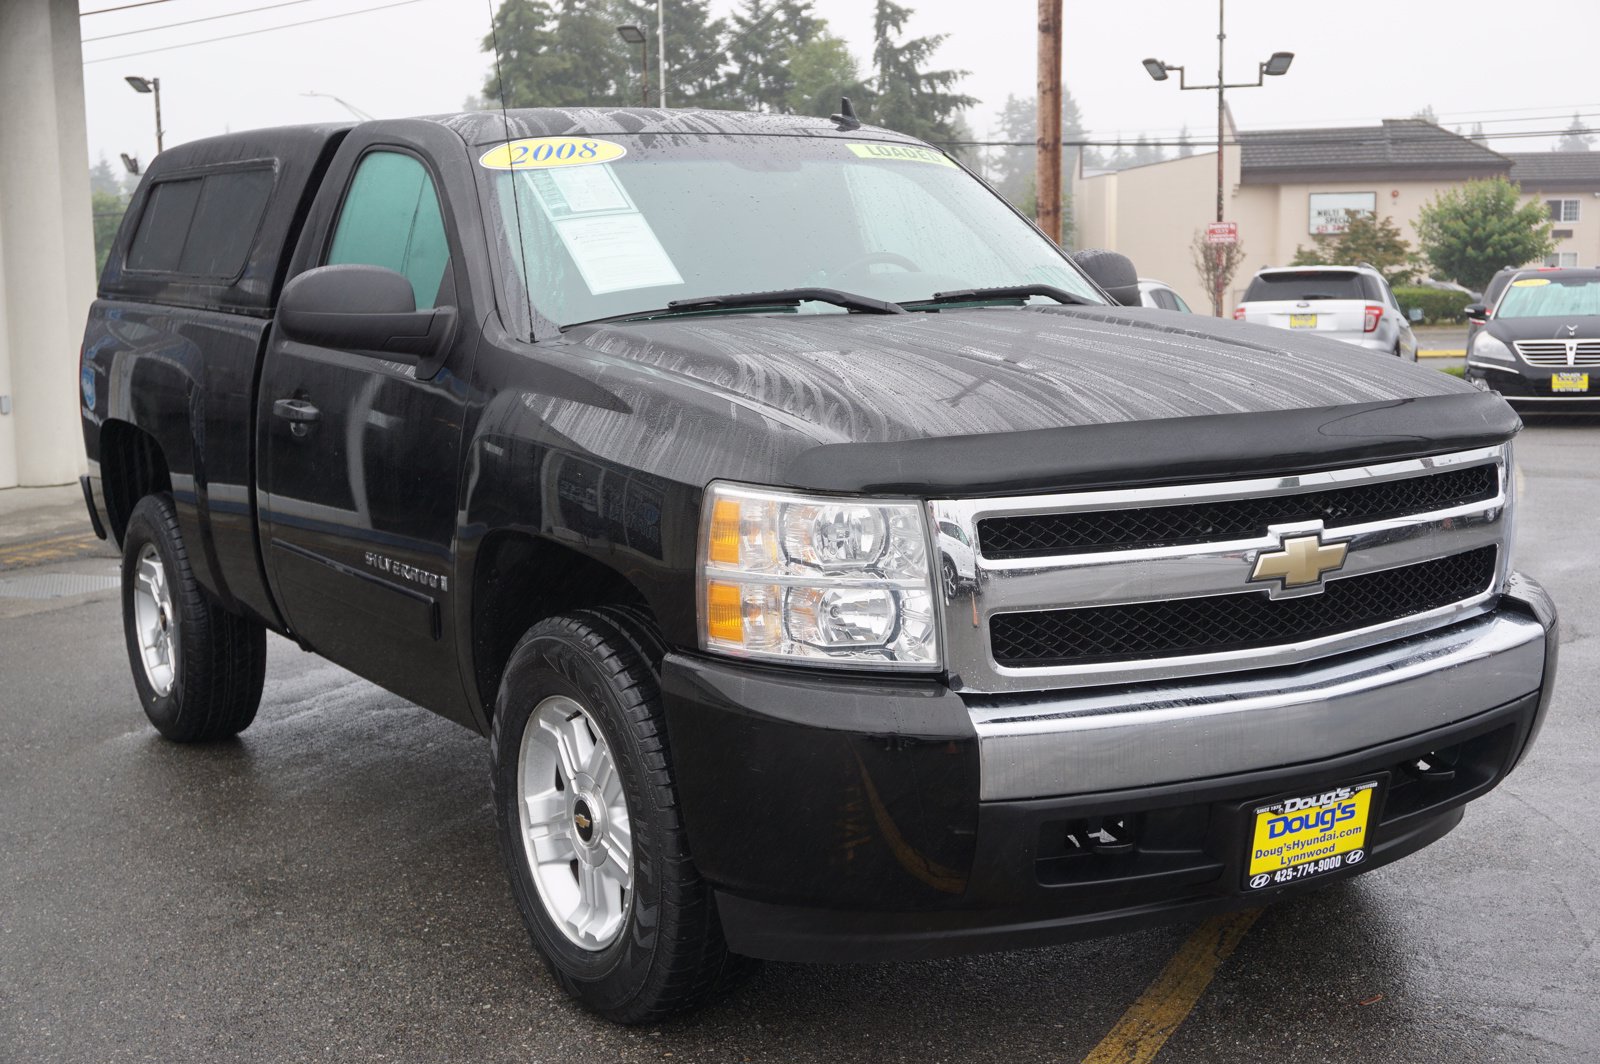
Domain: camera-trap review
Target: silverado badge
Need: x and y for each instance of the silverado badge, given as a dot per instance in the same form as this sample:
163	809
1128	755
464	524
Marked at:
1300	561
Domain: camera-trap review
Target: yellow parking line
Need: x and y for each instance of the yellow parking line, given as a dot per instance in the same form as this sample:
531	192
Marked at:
1442	352
39	551
1167	1002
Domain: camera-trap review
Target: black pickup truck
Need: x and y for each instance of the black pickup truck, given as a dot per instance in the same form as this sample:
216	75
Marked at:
837	571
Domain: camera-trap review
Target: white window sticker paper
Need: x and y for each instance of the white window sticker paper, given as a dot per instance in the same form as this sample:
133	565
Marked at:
579	190
617	252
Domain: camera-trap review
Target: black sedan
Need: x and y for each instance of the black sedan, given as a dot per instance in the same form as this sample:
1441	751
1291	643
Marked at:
1540	344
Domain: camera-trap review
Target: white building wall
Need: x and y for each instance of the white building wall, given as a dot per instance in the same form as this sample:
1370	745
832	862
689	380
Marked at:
46	240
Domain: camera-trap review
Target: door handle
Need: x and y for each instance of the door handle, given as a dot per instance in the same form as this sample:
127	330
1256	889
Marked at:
300	415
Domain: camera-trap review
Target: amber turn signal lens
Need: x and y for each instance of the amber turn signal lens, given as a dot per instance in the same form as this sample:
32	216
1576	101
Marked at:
724	547
725	609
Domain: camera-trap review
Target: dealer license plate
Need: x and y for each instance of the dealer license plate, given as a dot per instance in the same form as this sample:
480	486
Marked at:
1569	382
1307	836
1302	321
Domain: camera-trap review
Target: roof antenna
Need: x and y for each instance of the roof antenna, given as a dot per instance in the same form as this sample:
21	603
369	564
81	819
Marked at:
516	200
847	115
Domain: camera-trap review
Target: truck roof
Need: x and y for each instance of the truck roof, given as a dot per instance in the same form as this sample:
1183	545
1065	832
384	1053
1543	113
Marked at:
477	127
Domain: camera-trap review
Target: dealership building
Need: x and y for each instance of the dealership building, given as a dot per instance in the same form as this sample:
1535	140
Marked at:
1284	187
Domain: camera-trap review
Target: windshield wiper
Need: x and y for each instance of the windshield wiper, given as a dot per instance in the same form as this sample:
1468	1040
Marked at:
788	297
1011	291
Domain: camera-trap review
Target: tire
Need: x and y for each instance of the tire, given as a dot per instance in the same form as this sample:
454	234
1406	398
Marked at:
203	681
657	950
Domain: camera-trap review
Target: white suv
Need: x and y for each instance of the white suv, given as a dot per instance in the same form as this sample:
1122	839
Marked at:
1349	303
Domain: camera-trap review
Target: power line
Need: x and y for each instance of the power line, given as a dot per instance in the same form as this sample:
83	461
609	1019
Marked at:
250	33
124	7
192	21
1306	137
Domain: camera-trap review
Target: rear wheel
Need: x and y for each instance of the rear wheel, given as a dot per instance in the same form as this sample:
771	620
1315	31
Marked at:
198	668
589	822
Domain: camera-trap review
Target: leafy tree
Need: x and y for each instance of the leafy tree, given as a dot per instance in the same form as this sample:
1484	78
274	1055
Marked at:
763	36
1367	238
1471	231
1216	264
108	209
907	96
1576	138
822	70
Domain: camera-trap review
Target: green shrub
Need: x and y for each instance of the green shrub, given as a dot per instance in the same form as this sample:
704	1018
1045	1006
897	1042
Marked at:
1437	304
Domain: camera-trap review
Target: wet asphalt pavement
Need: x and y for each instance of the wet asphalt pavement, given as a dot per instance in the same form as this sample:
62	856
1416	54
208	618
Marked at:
328	888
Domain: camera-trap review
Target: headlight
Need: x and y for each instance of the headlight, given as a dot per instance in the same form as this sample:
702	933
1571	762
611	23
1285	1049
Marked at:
829	581
1486	348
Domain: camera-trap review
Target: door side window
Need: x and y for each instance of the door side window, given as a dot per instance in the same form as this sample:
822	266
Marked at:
391	218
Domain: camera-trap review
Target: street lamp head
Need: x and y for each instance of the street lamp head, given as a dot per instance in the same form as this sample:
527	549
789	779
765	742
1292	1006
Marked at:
130	163
631	34
1156	69
139	84
1278	64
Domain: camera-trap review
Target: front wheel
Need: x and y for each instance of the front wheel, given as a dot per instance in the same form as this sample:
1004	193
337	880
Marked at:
589	823
198	668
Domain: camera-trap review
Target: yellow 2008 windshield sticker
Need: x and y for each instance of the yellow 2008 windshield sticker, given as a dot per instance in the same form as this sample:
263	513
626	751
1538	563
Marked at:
540	153
1530	282
906	152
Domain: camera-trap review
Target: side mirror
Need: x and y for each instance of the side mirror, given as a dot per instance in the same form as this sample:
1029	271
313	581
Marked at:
366	310
1477	313
1112	271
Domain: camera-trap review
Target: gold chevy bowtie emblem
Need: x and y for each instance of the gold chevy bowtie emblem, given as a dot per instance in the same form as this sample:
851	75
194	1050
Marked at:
1299	561
582	821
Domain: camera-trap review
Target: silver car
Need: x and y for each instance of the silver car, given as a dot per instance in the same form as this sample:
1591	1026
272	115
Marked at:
1350	303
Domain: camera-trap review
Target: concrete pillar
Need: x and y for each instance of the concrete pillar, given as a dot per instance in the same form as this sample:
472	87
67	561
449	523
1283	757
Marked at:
46	240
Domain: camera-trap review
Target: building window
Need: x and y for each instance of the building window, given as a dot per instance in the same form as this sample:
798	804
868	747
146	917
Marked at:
1562	258
1562	210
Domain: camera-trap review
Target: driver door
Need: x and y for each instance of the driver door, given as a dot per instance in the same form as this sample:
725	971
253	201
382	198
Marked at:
361	460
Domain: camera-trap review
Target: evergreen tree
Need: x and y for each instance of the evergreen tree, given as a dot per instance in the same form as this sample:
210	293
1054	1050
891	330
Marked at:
763	38
1014	167
1427	114
907	96
567	56
696	53
1145	153
1185	145
103	179
1576	138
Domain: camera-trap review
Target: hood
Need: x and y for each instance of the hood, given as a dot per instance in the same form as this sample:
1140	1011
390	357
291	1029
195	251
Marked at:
893	378
1555	327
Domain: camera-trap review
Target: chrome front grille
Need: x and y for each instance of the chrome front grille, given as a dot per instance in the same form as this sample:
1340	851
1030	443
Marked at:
1105	587
1559	352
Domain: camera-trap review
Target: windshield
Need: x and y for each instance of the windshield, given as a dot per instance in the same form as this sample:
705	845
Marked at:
624	224
1550	297
1310	284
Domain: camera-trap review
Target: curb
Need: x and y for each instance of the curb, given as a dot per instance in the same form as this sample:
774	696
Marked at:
1442	352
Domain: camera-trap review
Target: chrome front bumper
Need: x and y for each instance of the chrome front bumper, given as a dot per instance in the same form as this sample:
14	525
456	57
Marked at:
1101	739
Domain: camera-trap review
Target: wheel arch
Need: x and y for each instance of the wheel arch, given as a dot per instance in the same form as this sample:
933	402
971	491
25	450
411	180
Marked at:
132	465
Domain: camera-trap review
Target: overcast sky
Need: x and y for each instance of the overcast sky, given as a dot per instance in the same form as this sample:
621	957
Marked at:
1357	61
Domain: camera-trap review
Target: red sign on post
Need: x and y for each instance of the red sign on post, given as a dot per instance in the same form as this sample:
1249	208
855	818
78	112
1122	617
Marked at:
1222	232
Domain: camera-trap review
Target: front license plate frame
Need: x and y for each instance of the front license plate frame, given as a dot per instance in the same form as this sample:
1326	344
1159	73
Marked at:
1308	835
1302	321
1569	382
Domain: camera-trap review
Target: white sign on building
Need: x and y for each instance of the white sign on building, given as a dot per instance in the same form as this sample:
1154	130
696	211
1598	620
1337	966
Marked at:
1328	210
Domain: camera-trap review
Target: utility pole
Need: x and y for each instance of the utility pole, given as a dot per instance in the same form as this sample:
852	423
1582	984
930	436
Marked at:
661	46
1047	172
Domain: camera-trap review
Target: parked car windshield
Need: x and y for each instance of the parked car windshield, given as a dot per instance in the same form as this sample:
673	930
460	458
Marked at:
624	224
1550	297
1306	285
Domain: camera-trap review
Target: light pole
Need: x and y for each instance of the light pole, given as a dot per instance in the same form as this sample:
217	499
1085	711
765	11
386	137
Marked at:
149	85
661	47
635	35
1275	66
